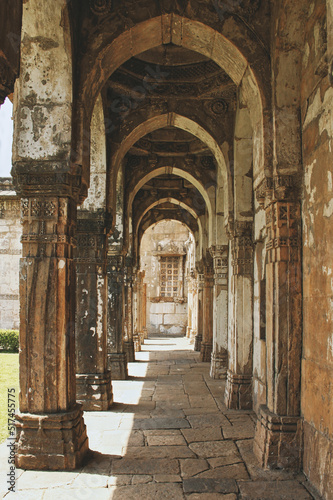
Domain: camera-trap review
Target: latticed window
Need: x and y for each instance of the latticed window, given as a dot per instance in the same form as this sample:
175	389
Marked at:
171	276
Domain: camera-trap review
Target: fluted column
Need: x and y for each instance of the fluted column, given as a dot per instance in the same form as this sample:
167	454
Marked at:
93	379
117	360
278	432
219	361
207	333
50	429
238	393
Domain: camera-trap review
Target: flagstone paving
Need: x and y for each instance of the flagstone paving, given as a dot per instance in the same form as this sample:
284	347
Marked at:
167	436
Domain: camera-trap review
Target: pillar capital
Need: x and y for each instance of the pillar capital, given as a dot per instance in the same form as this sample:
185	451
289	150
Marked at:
47	178
283	231
278	187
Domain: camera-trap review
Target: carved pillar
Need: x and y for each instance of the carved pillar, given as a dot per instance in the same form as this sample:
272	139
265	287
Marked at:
128	315
117	360
278	432
238	393
138	335
51	433
219	362
207	334
144	310
198	337
93	379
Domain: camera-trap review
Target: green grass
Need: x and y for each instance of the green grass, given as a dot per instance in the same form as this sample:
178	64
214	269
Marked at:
9	377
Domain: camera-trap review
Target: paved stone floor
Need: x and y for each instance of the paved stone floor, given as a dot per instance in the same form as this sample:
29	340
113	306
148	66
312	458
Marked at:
168	436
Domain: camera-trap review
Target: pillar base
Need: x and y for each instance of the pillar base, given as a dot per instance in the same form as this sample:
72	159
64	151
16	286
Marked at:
94	391
219	364
238	391
129	350
278	441
206	352
51	441
137	343
117	364
197	342
145	333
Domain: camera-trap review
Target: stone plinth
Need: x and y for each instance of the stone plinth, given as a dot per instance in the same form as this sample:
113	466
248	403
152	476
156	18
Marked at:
94	391
278	439
238	391
51	441
197	342
117	363
219	365
206	352
129	350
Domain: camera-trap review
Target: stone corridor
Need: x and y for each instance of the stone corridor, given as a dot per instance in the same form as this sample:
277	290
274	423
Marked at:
168	435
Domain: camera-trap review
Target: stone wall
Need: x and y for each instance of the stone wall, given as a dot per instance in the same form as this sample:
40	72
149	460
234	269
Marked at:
317	362
163	317
10	251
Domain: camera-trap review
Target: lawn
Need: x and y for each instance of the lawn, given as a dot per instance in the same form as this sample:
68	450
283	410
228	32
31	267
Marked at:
9	377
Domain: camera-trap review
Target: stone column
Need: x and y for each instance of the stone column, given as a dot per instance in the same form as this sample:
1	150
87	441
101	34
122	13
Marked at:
238	393
219	362
117	360
93	379
198	337
278	431
144	310
128	315
51	433
207	333
189	306
138	335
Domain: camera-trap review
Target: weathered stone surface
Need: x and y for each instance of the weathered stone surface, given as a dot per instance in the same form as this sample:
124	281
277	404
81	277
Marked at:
161	423
158	452
142	466
205	434
192	466
197	485
166	440
234	471
148	491
223	449
278	490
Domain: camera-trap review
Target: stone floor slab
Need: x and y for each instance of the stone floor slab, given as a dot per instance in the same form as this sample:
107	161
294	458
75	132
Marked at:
211	496
167	440
141	466
149	492
159	452
277	490
197	485
211	449
161	423
207	434
234	471
192	466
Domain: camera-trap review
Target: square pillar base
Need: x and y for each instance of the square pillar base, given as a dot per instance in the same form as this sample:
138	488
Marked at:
238	391
52	441
278	441
129	350
94	391
197	342
137	343
117	363
206	352
219	365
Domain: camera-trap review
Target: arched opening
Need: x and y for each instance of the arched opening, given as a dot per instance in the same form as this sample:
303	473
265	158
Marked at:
167	258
